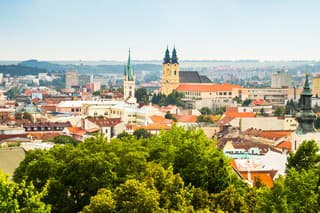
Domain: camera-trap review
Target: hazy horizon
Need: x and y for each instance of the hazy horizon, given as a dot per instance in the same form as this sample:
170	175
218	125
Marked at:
56	30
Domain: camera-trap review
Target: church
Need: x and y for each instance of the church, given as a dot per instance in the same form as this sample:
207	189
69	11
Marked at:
306	118
172	77
129	83
198	90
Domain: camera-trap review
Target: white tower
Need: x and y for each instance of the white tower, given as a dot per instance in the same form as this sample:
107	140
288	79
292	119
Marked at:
129	83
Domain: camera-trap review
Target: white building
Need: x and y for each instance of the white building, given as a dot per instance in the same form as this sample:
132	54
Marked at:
72	79
280	79
129	83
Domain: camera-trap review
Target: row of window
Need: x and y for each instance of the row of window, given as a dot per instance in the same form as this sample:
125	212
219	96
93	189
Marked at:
217	93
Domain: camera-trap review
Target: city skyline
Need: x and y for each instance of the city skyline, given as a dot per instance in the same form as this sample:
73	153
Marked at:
206	30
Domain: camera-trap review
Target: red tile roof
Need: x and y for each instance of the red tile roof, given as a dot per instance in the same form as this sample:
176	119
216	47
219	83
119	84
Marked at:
224	121
160	119
105	122
76	131
265	177
270	134
4	137
207	87
285	145
186	118
40	135
240	114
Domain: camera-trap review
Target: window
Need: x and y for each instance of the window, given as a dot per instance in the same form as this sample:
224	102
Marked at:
175	72
230	93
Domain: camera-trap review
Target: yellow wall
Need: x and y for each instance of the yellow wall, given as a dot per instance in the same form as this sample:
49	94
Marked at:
170	78
316	83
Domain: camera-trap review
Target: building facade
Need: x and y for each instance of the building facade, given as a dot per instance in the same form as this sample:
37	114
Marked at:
172	77
275	96
72	79
281	79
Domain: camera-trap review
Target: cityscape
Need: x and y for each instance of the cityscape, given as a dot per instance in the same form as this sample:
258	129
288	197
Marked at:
163	128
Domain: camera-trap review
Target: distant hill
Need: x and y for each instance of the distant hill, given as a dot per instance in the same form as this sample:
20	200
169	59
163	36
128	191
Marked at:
42	65
88	68
16	70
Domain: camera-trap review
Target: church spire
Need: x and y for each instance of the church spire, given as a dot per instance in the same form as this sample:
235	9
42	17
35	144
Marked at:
166	58
306	116
174	59
128	70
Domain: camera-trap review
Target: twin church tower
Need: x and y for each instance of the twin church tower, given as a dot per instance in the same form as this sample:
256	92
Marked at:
170	76
170	72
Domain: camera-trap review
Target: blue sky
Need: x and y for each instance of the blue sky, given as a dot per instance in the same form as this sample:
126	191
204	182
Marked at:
200	29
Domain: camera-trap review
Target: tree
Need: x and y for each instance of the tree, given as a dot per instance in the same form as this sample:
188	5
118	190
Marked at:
141	133
123	135
279	111
262	111
246	102
134	196
102	202
205	111
65	139
170	116
306	157
204	119
142	95
96	93
298	192
20	197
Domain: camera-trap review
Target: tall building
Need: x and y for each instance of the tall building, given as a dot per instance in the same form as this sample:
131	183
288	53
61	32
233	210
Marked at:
280	79
170	72
306	118
1	78
72	79
316	85
129	82
172	77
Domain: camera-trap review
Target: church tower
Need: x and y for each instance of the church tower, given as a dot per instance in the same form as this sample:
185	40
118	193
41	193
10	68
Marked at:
170	72
306	116
129	82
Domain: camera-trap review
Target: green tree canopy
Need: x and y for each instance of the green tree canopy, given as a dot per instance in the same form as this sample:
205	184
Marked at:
306	157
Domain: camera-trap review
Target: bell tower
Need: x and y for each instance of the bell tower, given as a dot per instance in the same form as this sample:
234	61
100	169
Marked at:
170	72
306	116
129	82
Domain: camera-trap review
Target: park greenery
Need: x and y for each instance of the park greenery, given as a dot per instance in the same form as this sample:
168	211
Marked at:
180	170
174	98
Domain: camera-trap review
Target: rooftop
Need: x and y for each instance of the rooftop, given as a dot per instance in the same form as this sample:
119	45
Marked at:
207	87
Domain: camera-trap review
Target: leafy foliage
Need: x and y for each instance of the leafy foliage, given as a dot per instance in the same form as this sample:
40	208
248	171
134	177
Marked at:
142	95
306	157
64	139
279	111
174	98
20	197
180	170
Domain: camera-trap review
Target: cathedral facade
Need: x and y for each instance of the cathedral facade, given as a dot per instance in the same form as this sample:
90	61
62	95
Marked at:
172	77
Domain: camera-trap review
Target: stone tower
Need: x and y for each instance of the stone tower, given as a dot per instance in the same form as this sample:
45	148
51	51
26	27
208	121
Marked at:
306	116
170	72
129	82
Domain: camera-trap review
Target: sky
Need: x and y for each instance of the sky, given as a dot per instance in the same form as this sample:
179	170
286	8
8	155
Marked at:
199	29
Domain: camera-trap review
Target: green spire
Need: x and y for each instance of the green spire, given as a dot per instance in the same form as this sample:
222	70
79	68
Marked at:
306	87
128	70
